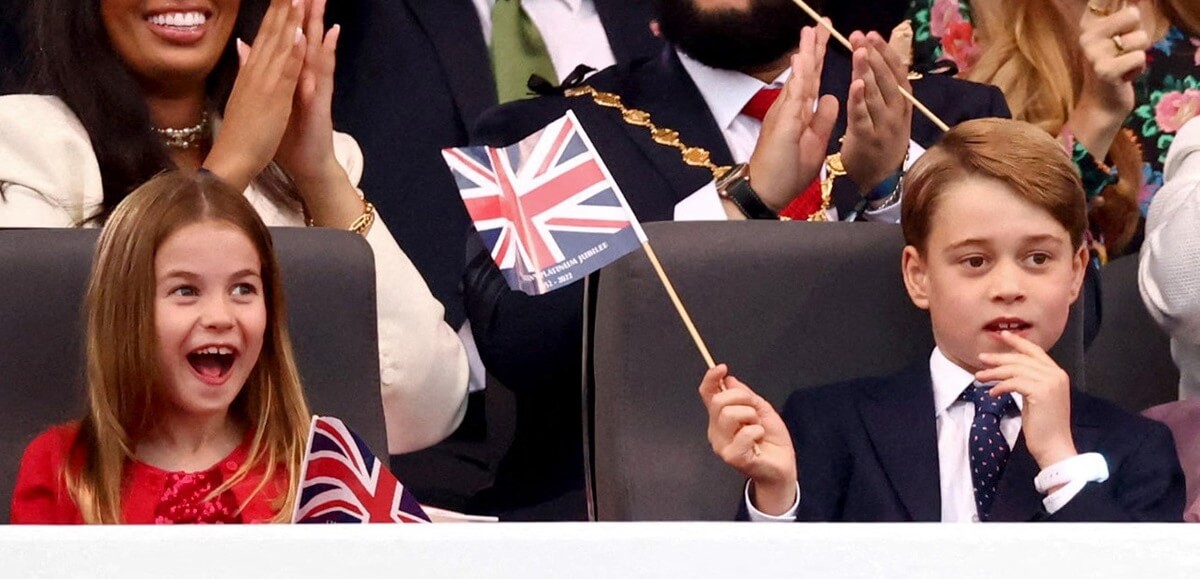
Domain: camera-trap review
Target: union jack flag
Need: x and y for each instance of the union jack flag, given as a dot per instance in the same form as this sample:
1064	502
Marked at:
547	207
343	482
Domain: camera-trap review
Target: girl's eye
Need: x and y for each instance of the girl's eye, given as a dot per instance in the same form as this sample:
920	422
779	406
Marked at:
974	261
186	291
244	289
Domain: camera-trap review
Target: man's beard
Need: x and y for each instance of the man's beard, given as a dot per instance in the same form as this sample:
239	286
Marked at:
733	39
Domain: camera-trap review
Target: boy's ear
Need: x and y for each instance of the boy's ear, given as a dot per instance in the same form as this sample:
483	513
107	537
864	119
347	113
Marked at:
915	277
1079	267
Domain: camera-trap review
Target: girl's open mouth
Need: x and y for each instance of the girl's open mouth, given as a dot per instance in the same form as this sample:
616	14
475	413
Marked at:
212	363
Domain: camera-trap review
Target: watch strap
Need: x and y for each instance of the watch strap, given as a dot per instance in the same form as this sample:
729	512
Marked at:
747	200
885	188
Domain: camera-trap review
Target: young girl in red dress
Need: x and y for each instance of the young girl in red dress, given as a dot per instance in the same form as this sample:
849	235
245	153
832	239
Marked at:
195	408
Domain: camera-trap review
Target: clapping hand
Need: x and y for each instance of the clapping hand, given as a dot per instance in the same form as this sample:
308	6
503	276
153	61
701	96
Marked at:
879	117
306	150
260	103
795	134
281	109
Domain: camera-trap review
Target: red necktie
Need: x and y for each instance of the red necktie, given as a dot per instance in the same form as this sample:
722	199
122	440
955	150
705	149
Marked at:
809	201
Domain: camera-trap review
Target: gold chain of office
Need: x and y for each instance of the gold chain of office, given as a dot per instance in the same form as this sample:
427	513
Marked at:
696	156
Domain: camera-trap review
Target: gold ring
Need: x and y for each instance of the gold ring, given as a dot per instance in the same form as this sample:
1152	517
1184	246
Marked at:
1098	11
1120	44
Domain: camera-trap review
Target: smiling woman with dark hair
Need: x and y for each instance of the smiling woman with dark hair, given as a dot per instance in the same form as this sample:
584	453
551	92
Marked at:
130	88
121	87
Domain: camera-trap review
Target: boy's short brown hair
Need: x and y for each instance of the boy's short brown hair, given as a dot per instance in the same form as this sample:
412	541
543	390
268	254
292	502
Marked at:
1024	157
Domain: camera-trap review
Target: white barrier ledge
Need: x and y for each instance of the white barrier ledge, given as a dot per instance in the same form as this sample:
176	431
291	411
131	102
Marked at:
582	550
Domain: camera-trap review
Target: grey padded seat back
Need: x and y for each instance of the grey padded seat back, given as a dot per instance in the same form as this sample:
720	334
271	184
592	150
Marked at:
329	284
786	305
1129	362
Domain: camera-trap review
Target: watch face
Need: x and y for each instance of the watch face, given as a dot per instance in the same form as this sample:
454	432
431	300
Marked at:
733	174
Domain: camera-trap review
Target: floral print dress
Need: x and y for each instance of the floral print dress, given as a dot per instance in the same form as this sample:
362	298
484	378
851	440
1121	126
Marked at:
1168	94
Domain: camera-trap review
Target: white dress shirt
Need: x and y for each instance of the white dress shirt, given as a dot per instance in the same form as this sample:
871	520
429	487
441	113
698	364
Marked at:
1169	271
953	417
571	29
726	93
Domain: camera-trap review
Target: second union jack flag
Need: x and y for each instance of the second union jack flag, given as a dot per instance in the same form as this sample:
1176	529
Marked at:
547	207
343	482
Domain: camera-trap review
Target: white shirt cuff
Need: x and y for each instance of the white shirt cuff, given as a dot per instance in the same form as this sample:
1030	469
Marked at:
1073	474
889	213
757	516
703	205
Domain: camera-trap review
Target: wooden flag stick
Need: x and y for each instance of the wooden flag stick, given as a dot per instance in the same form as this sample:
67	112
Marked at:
683	314
846	42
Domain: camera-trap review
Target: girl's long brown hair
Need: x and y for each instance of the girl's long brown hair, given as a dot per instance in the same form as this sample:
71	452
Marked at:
124	381
1027	55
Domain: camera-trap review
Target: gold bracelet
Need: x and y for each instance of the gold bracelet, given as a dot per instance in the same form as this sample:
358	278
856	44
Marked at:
360	225
364	221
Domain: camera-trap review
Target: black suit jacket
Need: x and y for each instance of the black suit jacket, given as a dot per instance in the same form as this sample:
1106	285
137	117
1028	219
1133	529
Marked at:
412	77
534	344
867	451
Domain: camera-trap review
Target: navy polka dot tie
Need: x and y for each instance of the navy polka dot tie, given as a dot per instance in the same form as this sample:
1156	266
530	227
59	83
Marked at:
989	450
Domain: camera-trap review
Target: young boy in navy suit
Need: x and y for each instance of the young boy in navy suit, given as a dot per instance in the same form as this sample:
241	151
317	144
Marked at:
990	428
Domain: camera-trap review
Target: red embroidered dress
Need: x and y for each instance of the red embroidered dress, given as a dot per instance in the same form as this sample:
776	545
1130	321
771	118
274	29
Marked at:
185	499
150	496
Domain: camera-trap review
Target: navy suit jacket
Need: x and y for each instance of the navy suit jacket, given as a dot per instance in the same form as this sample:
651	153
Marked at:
867	451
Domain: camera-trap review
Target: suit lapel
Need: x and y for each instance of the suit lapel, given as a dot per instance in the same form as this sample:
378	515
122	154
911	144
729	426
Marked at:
454	29
663	88
908	456
1016	498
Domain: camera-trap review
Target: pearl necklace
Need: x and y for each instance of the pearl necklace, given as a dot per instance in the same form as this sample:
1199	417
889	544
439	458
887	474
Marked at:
187	137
